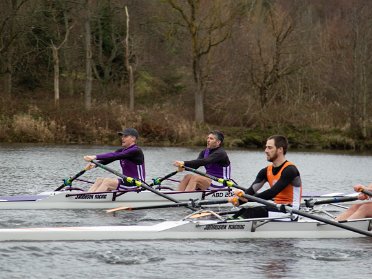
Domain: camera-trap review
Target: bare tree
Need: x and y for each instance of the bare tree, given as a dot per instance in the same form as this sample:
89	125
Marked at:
107	38
55	51
8	37
208	24
128	65
88	56
270	57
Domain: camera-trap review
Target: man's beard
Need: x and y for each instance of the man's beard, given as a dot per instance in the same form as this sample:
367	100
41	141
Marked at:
273	158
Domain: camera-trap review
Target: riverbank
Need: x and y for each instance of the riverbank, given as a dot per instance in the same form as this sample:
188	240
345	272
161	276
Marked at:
25	129
37	121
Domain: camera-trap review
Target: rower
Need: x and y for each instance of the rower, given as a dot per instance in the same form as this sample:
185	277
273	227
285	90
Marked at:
215	160
132	162
283	178
361	210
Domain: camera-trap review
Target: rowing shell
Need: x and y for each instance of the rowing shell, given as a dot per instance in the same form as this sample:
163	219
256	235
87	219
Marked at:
103	200
188	229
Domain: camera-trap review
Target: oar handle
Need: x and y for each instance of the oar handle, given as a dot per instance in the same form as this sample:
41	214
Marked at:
367	192
137	182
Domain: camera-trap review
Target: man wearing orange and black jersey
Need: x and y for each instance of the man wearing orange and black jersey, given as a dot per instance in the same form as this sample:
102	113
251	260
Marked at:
283	178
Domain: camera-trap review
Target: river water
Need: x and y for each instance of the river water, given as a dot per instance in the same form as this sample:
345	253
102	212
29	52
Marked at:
30	169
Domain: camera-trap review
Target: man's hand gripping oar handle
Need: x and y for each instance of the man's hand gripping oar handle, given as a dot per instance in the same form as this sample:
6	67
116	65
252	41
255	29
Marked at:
367	192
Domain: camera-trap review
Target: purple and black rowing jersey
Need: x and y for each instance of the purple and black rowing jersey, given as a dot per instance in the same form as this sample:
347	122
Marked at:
132	161
215	161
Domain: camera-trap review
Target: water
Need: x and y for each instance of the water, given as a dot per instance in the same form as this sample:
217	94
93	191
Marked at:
30	169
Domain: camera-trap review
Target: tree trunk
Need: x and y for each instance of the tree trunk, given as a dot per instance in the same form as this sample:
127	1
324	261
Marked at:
88	62
128	66
8	76
199	104
199	92
56	74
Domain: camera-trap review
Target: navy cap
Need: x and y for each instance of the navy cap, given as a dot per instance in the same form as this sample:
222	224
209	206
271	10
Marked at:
129	132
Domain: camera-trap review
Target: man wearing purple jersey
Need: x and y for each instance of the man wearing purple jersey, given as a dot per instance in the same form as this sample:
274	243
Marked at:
215	160
132	162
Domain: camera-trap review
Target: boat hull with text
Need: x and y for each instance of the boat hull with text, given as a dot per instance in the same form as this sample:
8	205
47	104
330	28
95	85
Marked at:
84	200
186	229
102	200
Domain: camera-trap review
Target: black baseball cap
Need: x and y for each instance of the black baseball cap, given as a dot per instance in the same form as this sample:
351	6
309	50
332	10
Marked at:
129	132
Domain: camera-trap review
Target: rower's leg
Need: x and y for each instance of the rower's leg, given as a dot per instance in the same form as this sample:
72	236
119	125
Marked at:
198	181
348	213
96	184
108	184
364	211
184	182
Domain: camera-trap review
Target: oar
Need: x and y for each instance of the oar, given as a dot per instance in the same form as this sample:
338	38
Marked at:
310	202
192	203
137	183
281	207
67	182
367	192
157	181
223	181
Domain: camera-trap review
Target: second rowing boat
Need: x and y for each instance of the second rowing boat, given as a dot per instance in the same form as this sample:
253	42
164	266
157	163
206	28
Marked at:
189	228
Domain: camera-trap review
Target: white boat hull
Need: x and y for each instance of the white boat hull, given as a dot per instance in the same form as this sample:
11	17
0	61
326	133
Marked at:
106	200
171	230
83	200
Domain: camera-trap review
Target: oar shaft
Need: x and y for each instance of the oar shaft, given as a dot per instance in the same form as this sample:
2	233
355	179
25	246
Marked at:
311	203
220	180
138	183
159	180
189	203
71	179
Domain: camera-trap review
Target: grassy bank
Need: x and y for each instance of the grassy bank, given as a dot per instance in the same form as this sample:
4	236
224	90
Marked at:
38	122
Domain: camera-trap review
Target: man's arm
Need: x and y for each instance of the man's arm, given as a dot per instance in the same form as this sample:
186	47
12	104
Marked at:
217	156
119	154
258	182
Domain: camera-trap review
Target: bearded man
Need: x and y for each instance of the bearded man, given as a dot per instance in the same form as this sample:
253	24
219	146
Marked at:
283	178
